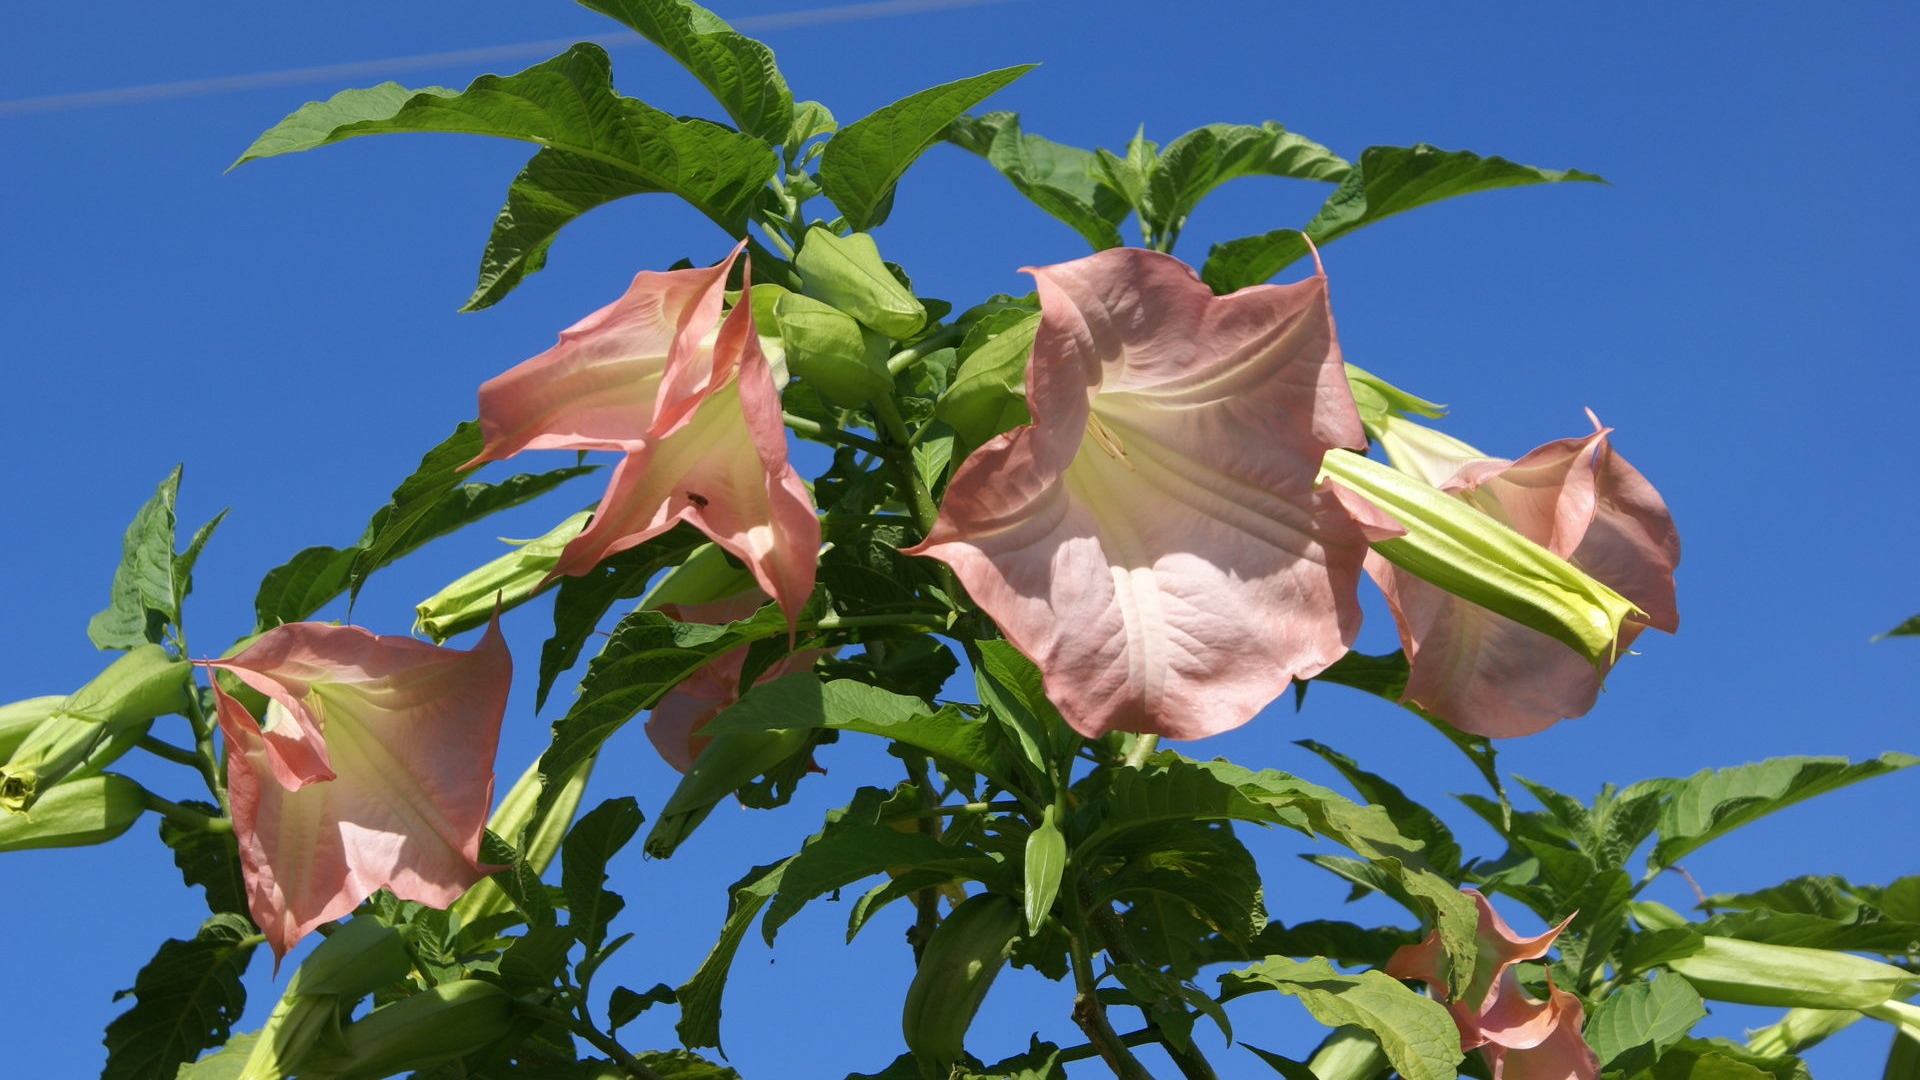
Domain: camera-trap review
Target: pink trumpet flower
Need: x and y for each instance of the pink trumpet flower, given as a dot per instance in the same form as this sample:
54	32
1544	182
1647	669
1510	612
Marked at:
675	722
1488	675
1153	540
371	767
689	399
1522	1038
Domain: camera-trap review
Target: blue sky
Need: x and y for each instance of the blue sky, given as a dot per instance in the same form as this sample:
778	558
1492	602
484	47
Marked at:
1736	303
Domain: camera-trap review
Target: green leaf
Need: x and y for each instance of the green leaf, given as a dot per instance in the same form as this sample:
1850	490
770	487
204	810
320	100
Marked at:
429	503
144	596
1720	1059
1388	180
1057	178
228	1063
1192	892
682	1065
1011	688
841	856
1416	1032
647	655
738	70
1714	802
699	996
593	840
1285	1066
1386	676
1903	1058
185	1000
1342	942
595	146
624	1006
580	602
1908	628
1413	820
1046	861
1654	1014
210	860
1206	157
805	701
864	160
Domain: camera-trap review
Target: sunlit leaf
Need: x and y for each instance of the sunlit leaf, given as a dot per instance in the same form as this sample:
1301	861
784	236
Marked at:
1416	1032
738	70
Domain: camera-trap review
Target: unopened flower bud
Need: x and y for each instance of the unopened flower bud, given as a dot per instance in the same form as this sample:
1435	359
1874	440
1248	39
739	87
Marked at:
145	683
91	810
1467	553
471	599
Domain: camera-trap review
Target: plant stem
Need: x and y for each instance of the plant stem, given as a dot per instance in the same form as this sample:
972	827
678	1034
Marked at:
919	350
161	748
819	432
600	1041
921	620
1087	1050
1192	1063
204	754
185	816
956	809
926	902
1088	1013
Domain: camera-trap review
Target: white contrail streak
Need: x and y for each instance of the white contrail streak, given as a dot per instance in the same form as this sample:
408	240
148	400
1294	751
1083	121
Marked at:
362	69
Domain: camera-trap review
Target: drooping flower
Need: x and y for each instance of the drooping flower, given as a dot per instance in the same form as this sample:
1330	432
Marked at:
1521	1037
1153	540
675	722
371	767
1485	673
689	400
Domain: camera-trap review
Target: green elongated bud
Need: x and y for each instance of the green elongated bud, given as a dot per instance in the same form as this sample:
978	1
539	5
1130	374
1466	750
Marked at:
836	356
1653	915
349	964
143	684
727	763
423	1029
90	810
704	575
1798	1030
989	395
1755	973
1046	862
18	720
847	272
957	967
1901	1014
471	599
1456	547
535	841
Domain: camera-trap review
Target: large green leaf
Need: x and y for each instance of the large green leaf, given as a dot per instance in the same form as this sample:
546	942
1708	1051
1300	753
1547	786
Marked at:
1388	180
1412	819
596	145
143	598
846	854
429	503
1206	157
185	1000
1057	178
580	602
595	838
1192	892
1714	802
864	160
1651	1014
210	860
738	70
699	996
647	655
804	700
1417	1032
1719	1059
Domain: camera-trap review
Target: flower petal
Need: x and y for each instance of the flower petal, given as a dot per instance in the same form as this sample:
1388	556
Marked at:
721	467
1488	675
1153	540
410	731
1560	1055
600	387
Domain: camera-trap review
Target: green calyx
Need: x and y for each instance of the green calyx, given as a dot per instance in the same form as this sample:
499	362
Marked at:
95	724
1450	544
472	598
